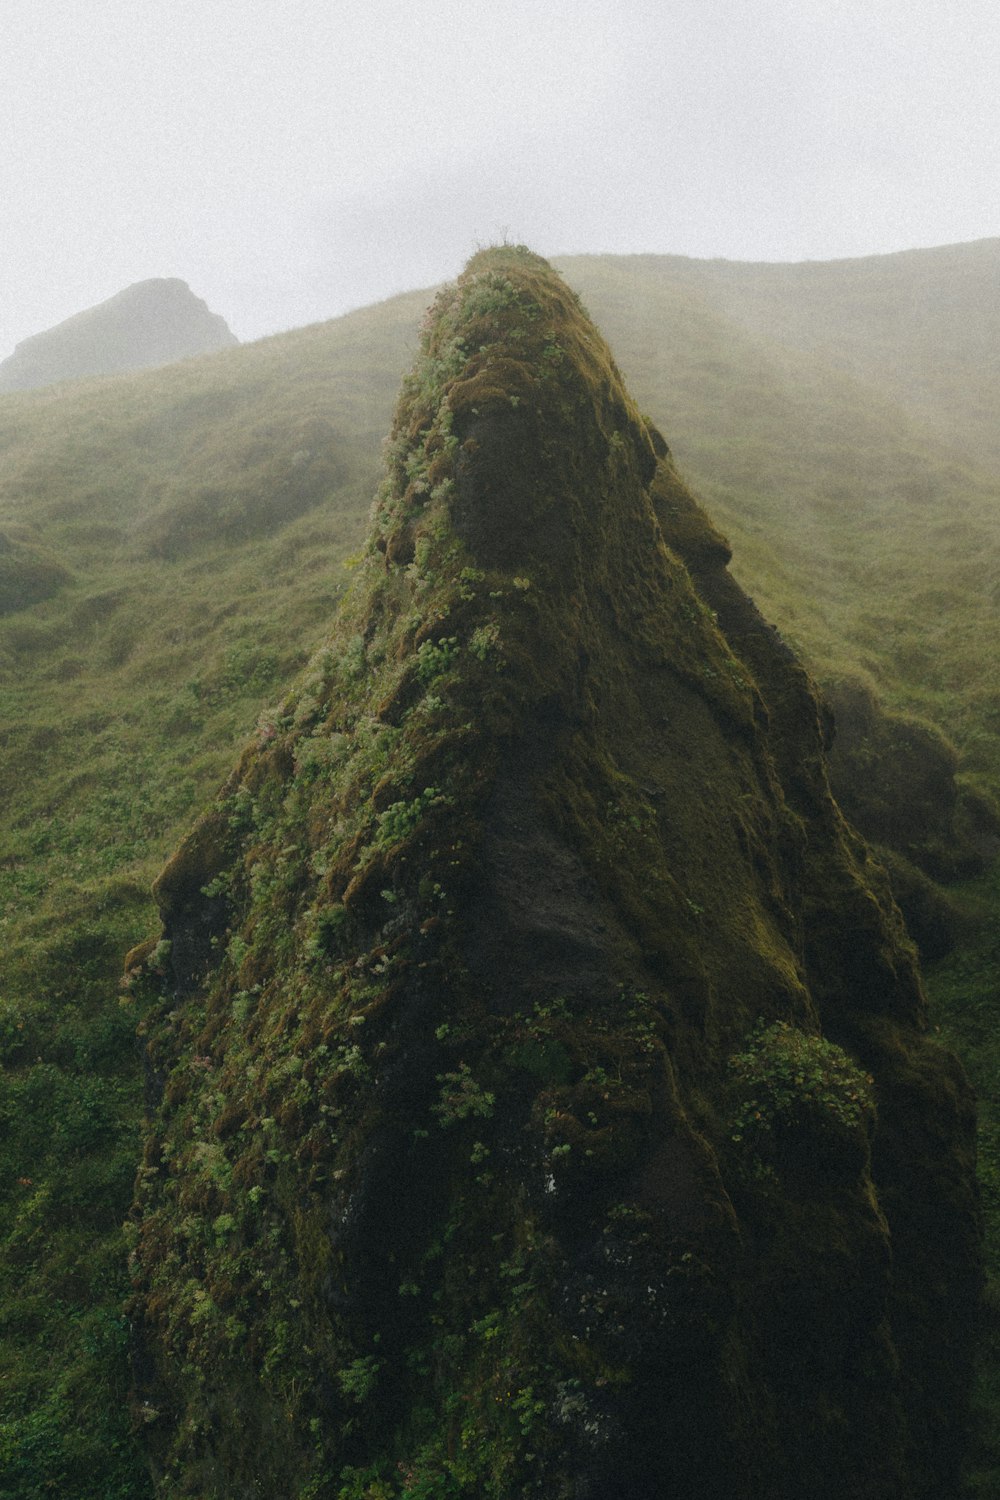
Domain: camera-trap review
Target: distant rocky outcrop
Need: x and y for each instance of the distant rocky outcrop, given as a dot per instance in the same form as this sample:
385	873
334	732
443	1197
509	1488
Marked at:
541	1095
151	323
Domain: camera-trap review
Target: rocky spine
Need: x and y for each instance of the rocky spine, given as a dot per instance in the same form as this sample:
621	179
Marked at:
541	1094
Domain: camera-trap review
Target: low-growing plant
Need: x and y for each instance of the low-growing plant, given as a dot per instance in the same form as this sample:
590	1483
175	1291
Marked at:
788	1081
359	1379
435	657
400	818
462	1098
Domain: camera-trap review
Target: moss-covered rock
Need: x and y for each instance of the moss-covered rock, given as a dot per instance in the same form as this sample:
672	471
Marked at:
450	1186
895	777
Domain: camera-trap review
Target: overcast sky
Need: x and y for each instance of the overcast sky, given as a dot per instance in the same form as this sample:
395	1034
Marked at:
294	158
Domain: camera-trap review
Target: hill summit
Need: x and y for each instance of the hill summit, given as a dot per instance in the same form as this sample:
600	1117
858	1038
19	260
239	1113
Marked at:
541	1100
150	323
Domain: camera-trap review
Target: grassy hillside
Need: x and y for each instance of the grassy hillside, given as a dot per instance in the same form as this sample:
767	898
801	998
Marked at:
924	326
172	546
871	536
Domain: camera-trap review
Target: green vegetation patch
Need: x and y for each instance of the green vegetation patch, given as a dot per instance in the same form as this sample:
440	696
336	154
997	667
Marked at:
789	1079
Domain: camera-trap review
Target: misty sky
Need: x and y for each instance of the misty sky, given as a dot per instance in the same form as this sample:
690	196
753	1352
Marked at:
294	158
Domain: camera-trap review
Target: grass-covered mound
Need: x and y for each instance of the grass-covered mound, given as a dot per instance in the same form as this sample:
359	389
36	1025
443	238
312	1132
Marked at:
541	1098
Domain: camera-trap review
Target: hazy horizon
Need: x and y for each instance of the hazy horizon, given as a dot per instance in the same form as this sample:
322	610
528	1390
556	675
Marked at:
293	162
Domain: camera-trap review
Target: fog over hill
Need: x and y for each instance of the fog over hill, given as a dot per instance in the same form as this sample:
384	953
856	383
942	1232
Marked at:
922	325
151	323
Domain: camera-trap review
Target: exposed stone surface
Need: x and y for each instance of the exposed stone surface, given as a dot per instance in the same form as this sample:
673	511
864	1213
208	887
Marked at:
151	323
542	1100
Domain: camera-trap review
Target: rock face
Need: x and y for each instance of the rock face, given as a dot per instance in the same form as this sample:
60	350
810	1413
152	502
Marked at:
894	776
541	1099
151	323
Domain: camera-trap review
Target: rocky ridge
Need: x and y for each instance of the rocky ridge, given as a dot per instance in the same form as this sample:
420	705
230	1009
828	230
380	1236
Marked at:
541	1090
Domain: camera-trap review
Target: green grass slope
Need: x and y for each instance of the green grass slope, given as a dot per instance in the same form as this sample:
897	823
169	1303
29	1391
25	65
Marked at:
171	548
868	533
924	325
172	545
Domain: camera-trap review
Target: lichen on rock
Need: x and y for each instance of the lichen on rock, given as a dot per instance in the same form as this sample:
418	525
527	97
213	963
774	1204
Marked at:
440	1193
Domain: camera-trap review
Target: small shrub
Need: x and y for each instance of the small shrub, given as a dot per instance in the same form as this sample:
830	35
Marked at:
400	819
790	1083
435	657
359	1379
462	1098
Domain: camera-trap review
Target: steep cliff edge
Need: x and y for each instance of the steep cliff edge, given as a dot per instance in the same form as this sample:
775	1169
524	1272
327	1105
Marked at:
541	1094
150	323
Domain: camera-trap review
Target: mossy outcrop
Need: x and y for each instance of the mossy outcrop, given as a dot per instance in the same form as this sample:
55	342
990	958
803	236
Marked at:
895	777
541	1095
